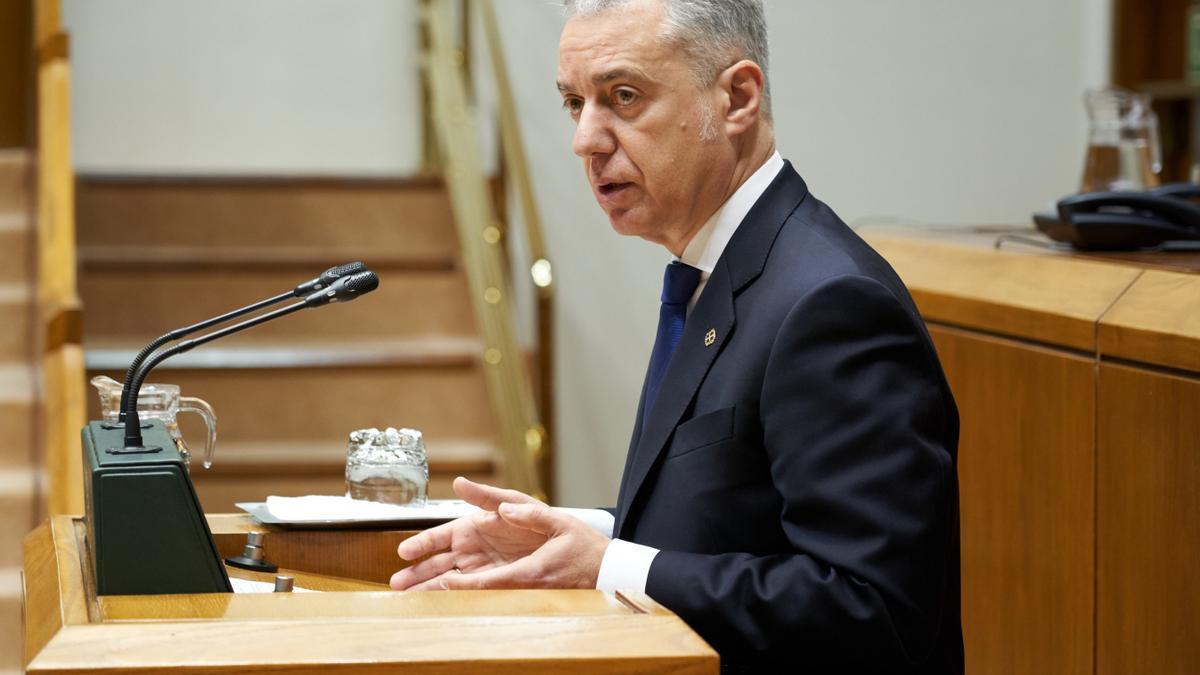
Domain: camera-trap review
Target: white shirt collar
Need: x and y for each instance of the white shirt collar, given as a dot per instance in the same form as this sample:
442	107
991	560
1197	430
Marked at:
709	242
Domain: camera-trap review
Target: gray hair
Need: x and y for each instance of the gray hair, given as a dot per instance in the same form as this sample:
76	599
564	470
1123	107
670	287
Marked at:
710	32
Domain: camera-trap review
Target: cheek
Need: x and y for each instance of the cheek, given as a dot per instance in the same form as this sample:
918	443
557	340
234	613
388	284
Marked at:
675	168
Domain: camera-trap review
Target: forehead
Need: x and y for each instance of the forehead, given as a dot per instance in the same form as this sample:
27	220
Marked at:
626	37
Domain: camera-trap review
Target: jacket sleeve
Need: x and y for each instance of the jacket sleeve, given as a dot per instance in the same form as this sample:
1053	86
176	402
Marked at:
859	430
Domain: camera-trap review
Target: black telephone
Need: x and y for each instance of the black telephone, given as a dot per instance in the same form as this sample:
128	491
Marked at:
1124	221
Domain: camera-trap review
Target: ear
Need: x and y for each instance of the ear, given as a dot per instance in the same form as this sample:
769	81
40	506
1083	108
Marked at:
741	85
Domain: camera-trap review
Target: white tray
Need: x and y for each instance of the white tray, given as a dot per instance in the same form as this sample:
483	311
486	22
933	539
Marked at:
434	512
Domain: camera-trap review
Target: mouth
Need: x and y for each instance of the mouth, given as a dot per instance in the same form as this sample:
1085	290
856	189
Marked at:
608	189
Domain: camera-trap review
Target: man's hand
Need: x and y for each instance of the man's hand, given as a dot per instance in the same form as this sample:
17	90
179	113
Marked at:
516	542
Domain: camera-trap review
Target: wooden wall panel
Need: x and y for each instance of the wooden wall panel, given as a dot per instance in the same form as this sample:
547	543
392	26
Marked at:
1148	538
1149	40
1026	481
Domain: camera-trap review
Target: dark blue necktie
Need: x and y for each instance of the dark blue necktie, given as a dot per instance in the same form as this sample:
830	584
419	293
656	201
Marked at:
679	283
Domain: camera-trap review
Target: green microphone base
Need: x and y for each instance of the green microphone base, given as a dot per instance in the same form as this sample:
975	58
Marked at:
146	531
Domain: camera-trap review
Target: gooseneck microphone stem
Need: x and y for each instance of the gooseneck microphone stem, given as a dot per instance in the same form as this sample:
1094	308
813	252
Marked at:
321	282
343	289
136	364
133	425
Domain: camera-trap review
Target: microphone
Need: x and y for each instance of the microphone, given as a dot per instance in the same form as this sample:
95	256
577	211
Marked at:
305	289
328	277
343	289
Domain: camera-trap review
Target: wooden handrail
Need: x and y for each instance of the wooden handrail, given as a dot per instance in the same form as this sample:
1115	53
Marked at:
541	271
63	409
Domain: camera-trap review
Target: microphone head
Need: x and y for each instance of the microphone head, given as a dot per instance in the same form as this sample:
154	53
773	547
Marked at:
345	289
338	271
361	283
327	278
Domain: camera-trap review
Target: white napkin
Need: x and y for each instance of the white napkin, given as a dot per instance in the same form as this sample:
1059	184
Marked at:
325	507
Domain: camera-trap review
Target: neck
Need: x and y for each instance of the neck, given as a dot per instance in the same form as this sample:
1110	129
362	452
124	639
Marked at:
752	153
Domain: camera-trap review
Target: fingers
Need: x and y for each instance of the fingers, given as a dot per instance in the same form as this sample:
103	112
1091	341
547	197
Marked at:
423	571
537	517
487	497
514	575
435	584
430	541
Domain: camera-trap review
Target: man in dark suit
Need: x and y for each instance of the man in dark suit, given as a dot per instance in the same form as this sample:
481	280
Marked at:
790	487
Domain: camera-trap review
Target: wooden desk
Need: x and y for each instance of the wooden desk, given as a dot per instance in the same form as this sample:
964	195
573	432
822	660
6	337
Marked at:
1078	383
356	626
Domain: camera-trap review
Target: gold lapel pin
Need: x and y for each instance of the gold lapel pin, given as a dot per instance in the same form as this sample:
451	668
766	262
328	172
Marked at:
710	337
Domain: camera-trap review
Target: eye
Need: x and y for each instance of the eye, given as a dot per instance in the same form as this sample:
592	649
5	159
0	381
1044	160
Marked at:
573	105
624	97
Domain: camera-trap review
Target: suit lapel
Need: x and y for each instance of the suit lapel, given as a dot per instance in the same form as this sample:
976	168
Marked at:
740	264
686	370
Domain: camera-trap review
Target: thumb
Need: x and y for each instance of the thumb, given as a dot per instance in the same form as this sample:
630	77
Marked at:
487	497
537	517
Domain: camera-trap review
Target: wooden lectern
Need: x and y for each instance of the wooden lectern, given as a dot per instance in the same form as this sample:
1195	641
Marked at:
355	625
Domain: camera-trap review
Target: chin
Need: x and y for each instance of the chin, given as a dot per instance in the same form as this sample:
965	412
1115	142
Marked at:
627	224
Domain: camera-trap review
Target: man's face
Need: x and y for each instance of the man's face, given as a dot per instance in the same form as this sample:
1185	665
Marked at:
651	149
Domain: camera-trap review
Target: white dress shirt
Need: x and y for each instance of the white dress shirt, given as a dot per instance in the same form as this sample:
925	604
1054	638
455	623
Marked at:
626	565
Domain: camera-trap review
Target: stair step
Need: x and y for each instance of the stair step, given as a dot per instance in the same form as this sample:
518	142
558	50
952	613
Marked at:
407	302
220	494
17	397
299	262
15	181
16	248
17	420
327	400
447	456
253	471
11	623
16	381
415	351
410	217
15	330
17	494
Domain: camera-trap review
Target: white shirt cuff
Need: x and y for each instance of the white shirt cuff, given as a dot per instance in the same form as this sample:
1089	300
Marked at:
625	566
600	520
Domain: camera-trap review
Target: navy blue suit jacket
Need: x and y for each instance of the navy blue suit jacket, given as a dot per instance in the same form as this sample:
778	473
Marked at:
797	469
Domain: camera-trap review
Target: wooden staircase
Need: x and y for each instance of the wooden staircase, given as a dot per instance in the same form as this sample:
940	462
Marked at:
163	253
434	348
18	484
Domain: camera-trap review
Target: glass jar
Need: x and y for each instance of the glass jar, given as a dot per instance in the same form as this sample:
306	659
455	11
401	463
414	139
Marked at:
387	466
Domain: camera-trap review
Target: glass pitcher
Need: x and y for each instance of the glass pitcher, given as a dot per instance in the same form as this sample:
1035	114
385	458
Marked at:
1124	150
160	402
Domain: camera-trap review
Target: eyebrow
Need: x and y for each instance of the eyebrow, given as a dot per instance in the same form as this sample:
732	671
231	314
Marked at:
624	72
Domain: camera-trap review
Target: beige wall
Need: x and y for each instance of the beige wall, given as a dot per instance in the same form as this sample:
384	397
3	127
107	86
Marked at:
277	87
951	112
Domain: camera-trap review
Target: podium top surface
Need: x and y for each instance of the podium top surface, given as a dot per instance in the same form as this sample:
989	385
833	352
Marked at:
357	625
1138	307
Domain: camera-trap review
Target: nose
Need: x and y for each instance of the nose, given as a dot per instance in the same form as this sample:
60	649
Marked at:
593	136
